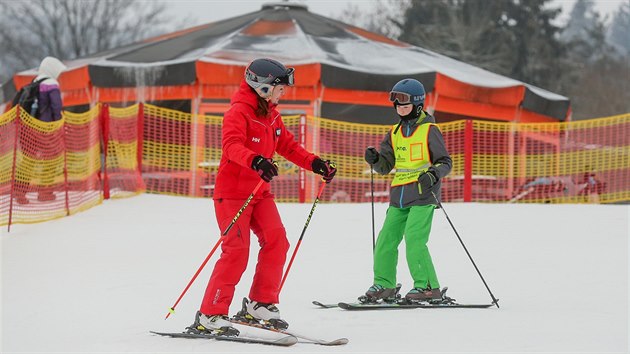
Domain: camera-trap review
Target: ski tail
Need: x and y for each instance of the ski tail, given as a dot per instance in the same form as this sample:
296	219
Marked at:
308	339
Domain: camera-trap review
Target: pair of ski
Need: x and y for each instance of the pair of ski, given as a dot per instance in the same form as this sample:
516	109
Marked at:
285	337
400	304
356	306
284	341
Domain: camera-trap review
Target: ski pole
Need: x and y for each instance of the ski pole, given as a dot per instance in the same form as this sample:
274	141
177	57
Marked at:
372	192
238	215
494	300
297	246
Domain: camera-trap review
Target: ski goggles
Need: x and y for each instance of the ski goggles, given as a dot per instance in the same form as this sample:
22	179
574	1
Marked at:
288	79
401	97
258	81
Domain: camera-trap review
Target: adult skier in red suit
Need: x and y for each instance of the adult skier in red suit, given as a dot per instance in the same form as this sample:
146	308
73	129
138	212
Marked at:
253	132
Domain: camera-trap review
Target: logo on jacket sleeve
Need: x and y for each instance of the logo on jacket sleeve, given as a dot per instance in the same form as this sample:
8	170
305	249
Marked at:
278	131
255	139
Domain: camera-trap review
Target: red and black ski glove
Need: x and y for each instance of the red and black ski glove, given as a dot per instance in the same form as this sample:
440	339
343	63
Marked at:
267	169
426	180
325	168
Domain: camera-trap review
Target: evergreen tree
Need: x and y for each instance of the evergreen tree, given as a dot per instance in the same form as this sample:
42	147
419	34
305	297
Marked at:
582	19
585	34
619	34
515	38
594	79
537	49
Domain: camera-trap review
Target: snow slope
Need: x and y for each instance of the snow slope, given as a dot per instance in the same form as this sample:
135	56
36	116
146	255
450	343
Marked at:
98	281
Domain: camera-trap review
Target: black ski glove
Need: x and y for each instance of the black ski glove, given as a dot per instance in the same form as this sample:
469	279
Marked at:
371	155
267	169
325	168
426	180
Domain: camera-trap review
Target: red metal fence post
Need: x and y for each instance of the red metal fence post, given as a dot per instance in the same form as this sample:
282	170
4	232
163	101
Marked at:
468	160
105	132
65	166
140	133
17	136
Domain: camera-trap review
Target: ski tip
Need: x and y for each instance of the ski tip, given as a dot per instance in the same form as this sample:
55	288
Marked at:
340	341
287	340
322	305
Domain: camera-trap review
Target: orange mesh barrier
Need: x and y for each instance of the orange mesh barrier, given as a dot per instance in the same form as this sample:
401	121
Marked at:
169	141
345	144
578	162
50	169
208	163
178	154
123	178
498	162
83	159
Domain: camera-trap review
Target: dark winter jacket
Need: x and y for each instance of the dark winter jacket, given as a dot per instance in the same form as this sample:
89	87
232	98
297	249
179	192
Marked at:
246	135
409	195
49	100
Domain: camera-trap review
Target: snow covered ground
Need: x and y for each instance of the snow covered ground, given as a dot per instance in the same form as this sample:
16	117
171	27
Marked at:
100	280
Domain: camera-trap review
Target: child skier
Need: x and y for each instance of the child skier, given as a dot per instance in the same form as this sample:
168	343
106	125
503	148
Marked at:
415	148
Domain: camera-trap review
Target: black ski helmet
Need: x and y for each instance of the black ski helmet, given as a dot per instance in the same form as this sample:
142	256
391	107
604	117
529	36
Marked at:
262	74
408	91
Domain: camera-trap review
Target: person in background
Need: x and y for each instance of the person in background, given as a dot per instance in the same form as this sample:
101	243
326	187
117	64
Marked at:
416	149
48	109
253	132
591	186
49	100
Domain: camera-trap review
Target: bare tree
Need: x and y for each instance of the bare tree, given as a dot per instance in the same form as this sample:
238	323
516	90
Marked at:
69	29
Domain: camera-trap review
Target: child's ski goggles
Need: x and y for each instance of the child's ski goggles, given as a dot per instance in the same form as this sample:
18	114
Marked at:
401	97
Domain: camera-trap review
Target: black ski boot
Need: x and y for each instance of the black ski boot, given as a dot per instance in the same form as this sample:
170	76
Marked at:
377	293
432	296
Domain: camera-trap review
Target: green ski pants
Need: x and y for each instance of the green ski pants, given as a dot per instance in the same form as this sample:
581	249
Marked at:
414	223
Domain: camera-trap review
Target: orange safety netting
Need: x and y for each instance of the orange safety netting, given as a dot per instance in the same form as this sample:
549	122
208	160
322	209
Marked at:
497	162
121	127
51	169
169	152
170	141
576	162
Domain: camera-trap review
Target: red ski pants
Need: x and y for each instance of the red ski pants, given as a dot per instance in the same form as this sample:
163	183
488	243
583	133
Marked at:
262	217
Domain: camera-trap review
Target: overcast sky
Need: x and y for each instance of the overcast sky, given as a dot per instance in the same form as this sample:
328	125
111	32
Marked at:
203	11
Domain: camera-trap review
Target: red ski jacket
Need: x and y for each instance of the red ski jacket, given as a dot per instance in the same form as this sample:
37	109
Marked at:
246	135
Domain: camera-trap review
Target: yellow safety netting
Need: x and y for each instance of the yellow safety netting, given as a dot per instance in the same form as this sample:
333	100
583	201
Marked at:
55	169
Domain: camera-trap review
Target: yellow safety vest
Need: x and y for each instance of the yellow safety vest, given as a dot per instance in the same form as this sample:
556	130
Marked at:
412	154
